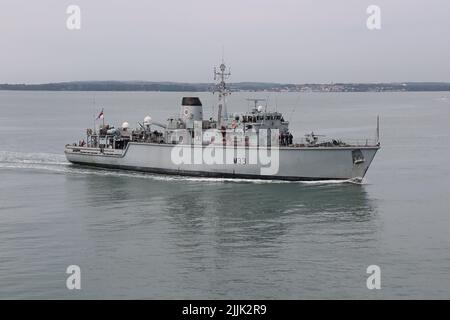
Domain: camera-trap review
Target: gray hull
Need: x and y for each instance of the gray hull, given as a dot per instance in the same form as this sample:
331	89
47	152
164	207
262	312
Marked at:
321	163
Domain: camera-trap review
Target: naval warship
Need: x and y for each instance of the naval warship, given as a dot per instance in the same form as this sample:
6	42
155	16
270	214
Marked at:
256	144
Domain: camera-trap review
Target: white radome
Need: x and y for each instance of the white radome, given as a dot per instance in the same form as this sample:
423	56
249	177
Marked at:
147	121
125	125
260	108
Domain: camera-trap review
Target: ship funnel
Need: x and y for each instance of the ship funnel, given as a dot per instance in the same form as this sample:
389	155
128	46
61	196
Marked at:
191	110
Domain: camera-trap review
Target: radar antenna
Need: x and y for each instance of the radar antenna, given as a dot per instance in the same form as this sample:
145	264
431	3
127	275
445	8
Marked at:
222	89
255	101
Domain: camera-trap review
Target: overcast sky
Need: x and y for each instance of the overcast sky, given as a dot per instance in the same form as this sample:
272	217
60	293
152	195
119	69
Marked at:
292	41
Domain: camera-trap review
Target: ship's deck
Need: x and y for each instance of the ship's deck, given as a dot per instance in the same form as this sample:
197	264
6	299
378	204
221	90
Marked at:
121	152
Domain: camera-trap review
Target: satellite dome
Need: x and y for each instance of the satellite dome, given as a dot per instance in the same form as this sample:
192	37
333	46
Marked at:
147	120
125	125
260	108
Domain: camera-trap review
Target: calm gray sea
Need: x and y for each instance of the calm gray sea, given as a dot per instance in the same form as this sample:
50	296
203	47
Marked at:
151	236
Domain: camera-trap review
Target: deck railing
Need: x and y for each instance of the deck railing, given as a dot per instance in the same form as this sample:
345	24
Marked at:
357	142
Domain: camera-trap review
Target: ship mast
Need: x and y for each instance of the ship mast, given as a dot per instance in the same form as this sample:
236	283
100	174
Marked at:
223	91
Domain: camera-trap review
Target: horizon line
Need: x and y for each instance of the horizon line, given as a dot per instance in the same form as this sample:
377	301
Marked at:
208	83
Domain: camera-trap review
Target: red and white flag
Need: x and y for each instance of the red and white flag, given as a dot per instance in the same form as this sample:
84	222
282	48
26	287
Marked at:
100	115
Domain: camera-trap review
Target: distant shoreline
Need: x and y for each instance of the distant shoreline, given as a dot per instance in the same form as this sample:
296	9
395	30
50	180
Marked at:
147	86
